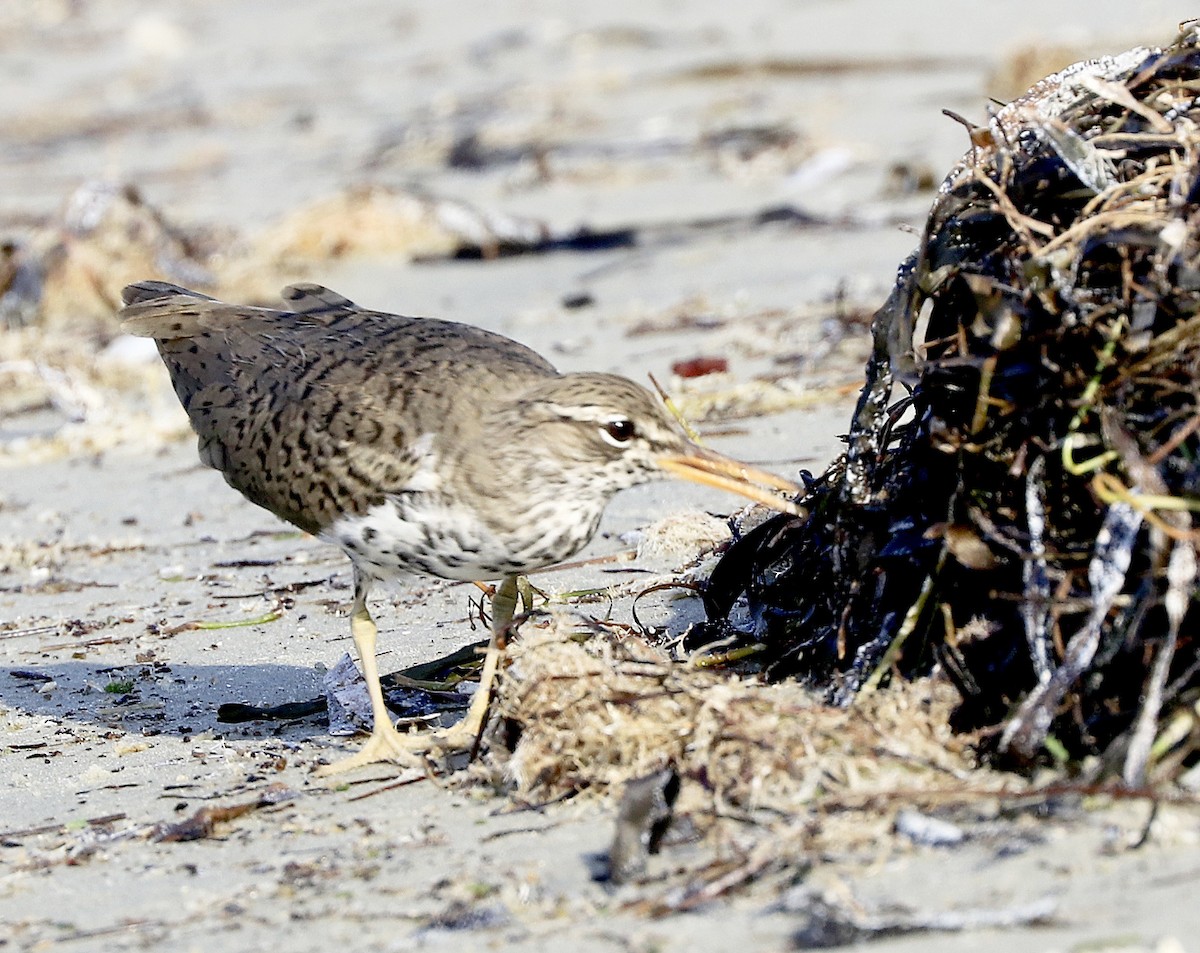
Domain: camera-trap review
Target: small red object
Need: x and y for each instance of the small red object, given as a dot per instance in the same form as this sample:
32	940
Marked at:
699	366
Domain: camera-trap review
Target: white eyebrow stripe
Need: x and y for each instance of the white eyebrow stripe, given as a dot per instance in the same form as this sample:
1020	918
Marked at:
595	415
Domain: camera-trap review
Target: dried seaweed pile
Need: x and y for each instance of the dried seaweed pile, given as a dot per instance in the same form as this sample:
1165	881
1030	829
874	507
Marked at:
1022	515
593	708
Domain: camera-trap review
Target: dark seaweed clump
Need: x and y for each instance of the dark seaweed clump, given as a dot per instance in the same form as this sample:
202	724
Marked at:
1015	504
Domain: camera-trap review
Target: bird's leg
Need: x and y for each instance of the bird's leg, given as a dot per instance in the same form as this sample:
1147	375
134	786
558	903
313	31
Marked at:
385	743
504	602
504	605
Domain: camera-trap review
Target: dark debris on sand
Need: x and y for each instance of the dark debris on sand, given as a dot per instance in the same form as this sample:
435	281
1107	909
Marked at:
1014	506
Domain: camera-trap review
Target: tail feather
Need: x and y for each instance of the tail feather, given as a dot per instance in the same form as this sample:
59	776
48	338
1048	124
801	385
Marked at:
156	291
156	309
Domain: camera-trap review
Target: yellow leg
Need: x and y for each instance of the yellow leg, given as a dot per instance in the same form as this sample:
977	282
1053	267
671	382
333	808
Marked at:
504	604
386	743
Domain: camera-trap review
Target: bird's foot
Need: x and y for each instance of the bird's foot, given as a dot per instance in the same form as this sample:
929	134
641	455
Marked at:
386	744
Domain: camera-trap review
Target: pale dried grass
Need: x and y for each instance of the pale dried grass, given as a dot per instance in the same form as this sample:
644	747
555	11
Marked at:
596	707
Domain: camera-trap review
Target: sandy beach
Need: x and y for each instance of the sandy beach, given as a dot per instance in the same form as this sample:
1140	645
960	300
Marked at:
760	171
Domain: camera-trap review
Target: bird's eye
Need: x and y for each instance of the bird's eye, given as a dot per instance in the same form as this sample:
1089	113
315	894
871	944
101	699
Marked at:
618	431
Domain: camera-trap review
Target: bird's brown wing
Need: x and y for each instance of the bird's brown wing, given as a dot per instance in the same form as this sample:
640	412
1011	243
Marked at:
316	412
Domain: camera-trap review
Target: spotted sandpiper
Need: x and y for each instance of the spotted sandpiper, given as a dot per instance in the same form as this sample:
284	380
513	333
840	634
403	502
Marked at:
417	446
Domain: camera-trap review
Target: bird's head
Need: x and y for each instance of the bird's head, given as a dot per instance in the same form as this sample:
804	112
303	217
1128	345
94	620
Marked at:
594	434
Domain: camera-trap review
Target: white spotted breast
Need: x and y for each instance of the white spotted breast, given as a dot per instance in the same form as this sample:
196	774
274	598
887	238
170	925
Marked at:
421	533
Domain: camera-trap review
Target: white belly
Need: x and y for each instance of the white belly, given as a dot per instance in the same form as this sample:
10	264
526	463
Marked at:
417	533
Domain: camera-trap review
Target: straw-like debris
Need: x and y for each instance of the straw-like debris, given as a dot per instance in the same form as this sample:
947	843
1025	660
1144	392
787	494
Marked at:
1021	518
591	708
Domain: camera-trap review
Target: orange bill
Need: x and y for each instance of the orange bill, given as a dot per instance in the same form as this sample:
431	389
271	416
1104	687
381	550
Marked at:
712	469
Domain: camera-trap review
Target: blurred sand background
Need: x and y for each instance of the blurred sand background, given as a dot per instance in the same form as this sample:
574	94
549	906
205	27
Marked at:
771	159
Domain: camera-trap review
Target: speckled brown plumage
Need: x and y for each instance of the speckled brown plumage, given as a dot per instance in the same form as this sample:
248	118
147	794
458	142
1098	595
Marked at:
311	413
